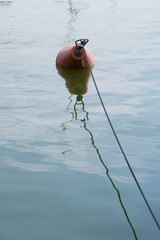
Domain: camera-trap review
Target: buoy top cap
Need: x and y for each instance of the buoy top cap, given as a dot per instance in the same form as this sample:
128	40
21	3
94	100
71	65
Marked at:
75	56
77	53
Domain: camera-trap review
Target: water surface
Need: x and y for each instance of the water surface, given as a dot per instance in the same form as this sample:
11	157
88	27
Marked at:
62	175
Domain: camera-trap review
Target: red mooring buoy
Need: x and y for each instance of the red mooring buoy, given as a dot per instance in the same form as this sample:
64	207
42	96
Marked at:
73	56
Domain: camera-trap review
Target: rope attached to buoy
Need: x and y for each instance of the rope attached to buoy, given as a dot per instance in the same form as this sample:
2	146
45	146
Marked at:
82	43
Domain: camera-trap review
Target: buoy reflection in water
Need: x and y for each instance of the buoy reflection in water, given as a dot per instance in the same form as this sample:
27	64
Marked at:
76	79
77	84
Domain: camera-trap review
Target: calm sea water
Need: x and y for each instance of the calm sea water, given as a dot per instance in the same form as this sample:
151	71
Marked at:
62	175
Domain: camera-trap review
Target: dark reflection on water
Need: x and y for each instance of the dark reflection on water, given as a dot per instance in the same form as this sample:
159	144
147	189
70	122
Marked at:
72	114
76	79
5	3
80	102
78	85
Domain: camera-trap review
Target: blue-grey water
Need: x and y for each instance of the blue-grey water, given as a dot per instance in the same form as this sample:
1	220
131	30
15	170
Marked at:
62	175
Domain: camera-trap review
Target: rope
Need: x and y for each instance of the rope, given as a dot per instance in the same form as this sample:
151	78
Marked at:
119	144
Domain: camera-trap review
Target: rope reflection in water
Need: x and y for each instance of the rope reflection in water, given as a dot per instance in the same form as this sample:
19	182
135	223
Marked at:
101	160
77	84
